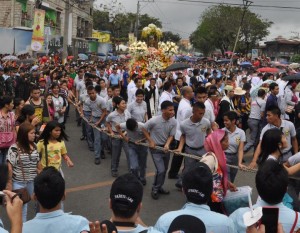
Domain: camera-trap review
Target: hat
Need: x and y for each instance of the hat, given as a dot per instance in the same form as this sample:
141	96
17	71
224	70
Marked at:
228	88
198	184
126	192
239	91
187	224
42	80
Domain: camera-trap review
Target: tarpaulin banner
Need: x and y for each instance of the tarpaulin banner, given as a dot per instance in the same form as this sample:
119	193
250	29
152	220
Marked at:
38	30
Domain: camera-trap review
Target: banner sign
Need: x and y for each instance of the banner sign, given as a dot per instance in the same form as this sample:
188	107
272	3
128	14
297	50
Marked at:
38	30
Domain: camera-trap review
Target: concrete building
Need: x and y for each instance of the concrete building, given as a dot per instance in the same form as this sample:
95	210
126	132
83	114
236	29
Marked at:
20	13
281	49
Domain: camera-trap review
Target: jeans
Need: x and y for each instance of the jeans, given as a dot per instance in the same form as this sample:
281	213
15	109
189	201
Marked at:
138	159
232	159
29	186
189	163
89	131
3	154
255	126
161	162
117	145
97	139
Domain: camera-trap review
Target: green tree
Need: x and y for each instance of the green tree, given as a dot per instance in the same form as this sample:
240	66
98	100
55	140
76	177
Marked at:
218	26
296	58
170	36
122	23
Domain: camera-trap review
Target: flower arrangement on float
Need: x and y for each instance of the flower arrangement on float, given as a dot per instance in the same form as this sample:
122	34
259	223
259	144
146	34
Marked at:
151	31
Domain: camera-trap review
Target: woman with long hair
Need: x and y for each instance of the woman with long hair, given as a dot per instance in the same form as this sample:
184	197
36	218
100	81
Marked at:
22	160
18	105
7	126
215	144
52	147
27	115
59	102
48	111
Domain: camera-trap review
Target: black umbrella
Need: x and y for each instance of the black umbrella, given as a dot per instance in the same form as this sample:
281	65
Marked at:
177	66
292	77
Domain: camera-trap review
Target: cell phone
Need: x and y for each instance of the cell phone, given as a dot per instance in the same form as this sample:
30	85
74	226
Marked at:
270	219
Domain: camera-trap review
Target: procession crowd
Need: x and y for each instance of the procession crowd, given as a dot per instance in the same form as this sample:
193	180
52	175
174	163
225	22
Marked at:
204	111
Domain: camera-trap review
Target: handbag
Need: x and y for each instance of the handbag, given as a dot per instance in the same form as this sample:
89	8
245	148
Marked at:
23	193
7	138
235	200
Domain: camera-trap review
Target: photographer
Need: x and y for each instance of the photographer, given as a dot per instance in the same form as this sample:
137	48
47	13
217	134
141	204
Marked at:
12	202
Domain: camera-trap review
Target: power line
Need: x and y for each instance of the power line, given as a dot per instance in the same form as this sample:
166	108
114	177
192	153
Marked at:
236	4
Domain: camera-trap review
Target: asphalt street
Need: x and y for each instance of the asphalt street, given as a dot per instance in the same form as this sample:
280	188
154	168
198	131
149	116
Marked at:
88	185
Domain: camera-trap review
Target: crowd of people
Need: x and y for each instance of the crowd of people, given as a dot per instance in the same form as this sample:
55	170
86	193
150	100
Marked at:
204	111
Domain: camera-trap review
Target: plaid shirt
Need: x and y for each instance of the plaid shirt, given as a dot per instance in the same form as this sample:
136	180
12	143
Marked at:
7	124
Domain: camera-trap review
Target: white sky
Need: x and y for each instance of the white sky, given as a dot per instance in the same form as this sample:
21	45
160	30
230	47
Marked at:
183	17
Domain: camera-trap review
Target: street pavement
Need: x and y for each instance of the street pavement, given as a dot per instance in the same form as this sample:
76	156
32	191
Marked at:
88	185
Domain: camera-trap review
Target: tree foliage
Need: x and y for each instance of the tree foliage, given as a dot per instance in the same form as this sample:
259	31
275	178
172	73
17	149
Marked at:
218	27
122	23
296	58
170	36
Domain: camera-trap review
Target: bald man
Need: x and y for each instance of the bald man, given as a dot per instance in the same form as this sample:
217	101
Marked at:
183	112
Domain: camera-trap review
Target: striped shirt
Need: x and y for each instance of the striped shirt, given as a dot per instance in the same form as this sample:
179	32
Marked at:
29	163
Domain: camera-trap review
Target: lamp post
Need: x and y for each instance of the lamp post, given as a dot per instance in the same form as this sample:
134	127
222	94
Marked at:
246	4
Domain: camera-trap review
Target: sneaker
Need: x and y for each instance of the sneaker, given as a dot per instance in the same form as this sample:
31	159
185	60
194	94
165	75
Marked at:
163	191
154	194
82	138
114	174
97	161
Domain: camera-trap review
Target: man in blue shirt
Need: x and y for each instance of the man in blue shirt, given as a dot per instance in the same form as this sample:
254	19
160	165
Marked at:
49	191
271	184
197	187
114	78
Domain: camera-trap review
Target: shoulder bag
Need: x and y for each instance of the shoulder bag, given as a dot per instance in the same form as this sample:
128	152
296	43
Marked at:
24	195
7	138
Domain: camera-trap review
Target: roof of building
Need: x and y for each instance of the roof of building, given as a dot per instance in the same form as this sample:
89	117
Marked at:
282	40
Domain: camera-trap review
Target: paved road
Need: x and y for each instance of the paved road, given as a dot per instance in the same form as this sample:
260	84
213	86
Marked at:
88	185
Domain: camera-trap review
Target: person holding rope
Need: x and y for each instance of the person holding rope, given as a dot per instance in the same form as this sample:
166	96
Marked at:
162	129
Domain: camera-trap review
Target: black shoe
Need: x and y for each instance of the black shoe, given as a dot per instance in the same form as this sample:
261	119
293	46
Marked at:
154	194
82	138
178	184
173	177
97	161
143	181
114	174
102	155
162	191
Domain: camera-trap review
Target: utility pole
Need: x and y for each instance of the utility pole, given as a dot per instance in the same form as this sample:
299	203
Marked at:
66	32
136	29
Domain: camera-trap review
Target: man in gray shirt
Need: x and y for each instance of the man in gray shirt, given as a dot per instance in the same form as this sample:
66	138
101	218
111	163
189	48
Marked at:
162	130
138	108
96	105
136	133
255	119
194	131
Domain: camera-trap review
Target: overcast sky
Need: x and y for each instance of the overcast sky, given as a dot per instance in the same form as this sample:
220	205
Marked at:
183	17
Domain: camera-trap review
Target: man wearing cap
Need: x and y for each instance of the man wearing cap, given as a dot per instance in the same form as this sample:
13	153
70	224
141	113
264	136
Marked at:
197	187
162	129
126	196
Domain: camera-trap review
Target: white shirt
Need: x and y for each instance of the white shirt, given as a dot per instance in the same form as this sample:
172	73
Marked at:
210	107
183	112
256	81
131	84
165	96
131	95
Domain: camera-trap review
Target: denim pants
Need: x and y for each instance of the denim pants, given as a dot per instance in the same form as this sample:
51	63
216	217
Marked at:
189	162
232	159
254	126
89	130
117	145
138	159
161	162
3	154
29	186
97	139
